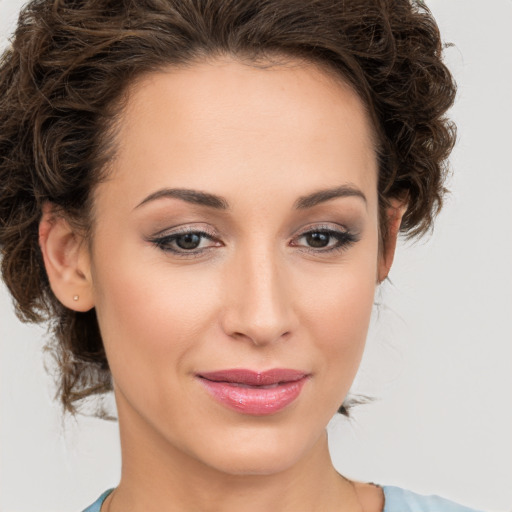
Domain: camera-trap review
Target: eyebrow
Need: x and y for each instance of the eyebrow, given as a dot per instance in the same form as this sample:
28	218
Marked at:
220	203
190	196
327	194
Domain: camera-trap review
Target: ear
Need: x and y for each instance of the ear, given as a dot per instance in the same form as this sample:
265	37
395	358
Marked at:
394	214
66	259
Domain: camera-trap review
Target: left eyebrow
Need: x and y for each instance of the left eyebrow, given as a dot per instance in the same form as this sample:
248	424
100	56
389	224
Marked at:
327	194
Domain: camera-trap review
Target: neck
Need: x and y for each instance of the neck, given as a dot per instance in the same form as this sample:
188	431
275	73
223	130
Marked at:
156	477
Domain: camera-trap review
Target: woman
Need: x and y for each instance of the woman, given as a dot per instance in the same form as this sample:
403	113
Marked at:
203	197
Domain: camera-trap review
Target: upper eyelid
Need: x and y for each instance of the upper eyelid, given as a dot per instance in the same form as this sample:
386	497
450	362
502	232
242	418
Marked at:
322	227
180	230
214	234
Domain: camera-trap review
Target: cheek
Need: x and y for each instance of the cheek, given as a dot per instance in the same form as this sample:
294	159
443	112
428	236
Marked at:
150	318
337	316
341	316
342	346
338	298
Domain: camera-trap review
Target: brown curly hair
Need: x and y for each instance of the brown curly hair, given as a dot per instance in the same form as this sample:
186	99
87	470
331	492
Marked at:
61	89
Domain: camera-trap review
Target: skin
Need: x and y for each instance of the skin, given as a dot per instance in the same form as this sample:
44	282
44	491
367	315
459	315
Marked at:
255	294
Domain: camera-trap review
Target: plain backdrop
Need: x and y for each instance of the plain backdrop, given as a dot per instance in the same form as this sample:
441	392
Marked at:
439	356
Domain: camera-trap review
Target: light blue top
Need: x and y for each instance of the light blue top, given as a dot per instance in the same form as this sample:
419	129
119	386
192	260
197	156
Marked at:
395	500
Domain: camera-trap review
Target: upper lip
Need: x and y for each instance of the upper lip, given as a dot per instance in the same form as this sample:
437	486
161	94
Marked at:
254	378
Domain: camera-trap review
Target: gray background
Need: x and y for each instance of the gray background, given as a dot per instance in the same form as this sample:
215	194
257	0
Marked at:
439	357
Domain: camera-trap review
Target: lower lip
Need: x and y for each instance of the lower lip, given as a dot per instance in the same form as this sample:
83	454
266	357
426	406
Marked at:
255	400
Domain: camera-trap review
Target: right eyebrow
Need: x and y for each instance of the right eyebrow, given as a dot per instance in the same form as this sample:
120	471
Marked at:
188	195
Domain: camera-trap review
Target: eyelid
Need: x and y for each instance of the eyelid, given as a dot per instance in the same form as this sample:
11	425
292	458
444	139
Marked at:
163	239
184	229
343	238
322	226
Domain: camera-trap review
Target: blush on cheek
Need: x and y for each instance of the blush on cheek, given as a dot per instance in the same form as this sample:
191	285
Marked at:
344	309
149	317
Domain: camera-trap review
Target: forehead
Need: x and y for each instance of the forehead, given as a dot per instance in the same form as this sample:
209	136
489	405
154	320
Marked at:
202	126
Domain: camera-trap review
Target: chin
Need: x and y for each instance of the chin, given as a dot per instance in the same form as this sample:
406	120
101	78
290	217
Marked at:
259	451
250	463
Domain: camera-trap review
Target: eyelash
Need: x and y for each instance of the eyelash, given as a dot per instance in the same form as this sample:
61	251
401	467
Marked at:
344	239
164	242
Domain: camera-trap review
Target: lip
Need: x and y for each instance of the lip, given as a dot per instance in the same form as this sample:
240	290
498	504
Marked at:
253	392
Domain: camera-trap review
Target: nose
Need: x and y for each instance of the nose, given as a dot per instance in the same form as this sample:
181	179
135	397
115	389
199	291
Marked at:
257	306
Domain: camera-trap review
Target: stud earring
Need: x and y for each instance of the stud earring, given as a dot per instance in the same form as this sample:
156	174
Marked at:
75	297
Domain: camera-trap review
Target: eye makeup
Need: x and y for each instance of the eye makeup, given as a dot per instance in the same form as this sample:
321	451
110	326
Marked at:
192	241
325	239
186	242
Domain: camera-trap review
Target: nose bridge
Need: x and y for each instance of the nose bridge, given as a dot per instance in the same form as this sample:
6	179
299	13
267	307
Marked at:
259	307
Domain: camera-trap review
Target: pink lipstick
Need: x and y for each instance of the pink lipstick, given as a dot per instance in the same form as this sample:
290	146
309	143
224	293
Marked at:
257	393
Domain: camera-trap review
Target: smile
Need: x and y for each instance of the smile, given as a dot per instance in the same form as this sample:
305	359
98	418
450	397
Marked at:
255	393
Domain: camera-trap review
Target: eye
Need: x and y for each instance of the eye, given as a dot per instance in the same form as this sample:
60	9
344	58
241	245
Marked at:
325	240
186	243
318	239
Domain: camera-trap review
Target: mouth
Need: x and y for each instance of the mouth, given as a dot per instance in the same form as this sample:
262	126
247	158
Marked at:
252	392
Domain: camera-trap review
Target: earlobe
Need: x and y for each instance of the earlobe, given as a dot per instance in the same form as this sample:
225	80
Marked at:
394	213
67	262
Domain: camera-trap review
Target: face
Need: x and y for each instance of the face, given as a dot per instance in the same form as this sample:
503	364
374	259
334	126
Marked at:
235	259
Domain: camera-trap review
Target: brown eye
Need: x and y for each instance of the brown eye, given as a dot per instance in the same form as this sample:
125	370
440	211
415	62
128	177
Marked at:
317	239
325	240
186	244
188	241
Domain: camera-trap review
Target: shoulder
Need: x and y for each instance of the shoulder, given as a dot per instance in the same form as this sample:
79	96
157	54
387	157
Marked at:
397	499
96	506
